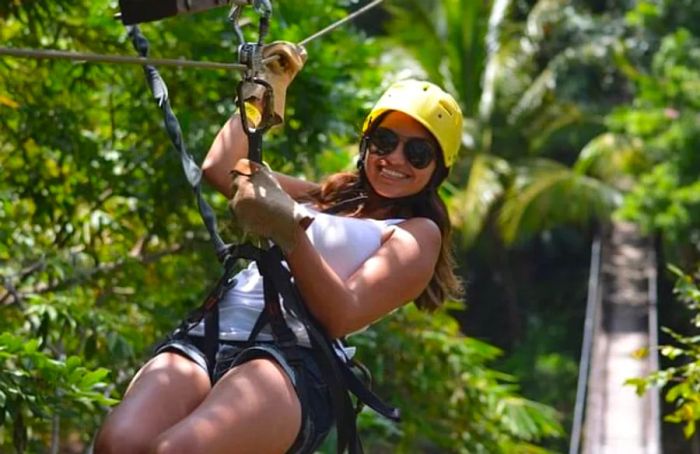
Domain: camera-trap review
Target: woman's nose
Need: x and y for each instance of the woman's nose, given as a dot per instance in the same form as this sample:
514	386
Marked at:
396	156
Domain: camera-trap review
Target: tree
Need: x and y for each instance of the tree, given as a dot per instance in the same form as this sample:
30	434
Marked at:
98	222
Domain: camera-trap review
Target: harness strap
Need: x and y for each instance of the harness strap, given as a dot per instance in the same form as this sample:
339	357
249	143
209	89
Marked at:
323	354
336	371
211	338
369	398
272	311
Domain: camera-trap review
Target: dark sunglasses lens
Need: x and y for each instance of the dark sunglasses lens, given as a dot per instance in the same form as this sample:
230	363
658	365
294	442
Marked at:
419	152
384	140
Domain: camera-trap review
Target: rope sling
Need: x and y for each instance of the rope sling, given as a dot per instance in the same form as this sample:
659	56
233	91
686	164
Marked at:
338	371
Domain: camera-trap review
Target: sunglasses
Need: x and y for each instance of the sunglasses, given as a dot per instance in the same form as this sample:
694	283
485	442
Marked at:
419	152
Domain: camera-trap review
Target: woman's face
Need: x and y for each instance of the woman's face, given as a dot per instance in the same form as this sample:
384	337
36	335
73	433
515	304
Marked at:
389	172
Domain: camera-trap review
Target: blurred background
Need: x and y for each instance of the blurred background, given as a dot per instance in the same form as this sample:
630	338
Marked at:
575	201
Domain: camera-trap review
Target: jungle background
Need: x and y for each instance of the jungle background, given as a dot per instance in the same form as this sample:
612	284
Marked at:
578	113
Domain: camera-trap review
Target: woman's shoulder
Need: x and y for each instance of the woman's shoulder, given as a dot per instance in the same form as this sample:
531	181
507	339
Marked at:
423	229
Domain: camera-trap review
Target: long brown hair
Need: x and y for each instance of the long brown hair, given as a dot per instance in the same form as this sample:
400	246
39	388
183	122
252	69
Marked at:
345	193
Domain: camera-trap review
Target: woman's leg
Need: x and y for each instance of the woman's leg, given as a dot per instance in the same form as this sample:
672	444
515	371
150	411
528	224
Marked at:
252	409
167	389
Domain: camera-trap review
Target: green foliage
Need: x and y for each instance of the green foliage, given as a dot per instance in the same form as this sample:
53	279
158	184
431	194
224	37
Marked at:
448	395
544	186
664	119
102	251
37	390
470	207
681	381
447	38
594	113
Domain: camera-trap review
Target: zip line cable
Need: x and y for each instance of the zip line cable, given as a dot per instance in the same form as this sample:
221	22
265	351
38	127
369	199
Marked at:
116	59
129	60
337	24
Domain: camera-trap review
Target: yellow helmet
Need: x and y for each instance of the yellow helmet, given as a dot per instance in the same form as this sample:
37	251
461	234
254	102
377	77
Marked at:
428	104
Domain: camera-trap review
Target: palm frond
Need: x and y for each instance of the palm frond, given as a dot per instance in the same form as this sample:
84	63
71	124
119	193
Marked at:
534	98
614	159
471	206
447	37
545	194
416	27
493	57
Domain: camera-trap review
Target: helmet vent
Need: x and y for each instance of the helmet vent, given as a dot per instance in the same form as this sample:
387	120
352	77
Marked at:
445	105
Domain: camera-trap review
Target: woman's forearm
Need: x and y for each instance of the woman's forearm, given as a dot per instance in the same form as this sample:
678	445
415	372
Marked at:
230	145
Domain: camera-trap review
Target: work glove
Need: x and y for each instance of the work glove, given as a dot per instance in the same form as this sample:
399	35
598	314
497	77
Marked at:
279	74
261	207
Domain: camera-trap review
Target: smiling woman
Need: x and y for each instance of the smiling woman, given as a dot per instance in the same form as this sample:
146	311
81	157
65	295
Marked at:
361	245
400	161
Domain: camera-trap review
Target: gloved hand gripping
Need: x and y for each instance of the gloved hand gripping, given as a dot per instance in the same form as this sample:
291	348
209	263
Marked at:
261	207
279	74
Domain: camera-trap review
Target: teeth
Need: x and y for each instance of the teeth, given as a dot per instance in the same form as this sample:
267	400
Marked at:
392	173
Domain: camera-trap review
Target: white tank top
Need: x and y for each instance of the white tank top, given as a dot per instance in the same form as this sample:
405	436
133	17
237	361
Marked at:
344	243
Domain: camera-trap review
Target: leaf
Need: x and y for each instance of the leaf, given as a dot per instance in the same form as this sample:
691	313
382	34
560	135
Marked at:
545	194
689	429
471	206
5	101
92	378
641	353
32	346
640	384
671	352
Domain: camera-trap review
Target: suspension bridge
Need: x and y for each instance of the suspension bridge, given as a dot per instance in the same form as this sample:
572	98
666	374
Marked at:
621	321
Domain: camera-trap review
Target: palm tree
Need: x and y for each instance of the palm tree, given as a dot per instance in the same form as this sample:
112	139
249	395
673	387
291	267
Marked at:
537	91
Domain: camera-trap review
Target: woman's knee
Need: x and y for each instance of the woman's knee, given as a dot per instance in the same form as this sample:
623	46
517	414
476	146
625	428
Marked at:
253	408
163	392
174	443
119	436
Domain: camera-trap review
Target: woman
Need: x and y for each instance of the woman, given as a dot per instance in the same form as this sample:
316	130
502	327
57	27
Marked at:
386	244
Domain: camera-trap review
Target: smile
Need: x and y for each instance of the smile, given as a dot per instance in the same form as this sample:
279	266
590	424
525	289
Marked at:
393	174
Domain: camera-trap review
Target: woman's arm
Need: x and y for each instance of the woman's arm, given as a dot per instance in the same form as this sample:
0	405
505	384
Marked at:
397	273
231	145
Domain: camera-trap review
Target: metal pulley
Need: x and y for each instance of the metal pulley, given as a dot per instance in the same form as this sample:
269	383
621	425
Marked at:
250	53
253	84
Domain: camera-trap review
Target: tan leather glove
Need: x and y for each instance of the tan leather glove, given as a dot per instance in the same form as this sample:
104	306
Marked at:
279	74
261	207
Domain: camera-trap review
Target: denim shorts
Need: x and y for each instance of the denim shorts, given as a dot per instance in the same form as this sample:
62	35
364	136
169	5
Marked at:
308	382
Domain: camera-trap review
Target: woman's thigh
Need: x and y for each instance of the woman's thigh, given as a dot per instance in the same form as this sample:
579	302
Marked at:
253	408
164	391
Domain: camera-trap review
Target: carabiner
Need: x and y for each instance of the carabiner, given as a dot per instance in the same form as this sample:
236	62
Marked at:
254	129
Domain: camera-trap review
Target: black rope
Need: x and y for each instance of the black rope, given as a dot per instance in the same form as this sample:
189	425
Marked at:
172	126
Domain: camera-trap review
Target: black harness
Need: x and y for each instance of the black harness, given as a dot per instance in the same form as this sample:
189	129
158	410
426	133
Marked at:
338	372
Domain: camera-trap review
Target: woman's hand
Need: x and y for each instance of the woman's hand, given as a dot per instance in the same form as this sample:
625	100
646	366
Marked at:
261	207
289	59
